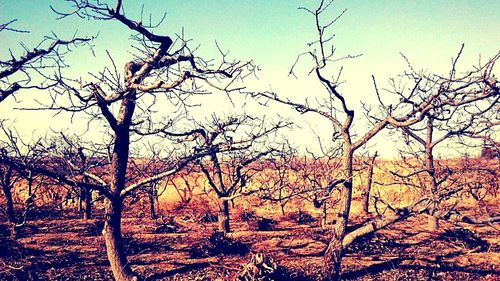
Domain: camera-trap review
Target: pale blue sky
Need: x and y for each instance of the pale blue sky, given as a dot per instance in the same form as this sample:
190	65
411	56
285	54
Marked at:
272	33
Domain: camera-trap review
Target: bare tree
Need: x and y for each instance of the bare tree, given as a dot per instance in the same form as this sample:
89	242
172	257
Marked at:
277	182
157	161
163	65
448	126
8	178
302	179
19	183
30	70
75	158
190	179
228	171
411	108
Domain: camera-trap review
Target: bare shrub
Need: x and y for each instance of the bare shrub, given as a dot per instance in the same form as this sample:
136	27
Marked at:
217	244
301	217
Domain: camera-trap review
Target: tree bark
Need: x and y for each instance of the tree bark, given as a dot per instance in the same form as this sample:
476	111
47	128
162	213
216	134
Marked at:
332	260
113	206
433	220
223	217
9	204
335	250
324	217
368	186
87	203
29	200
152	197
114	244
80	201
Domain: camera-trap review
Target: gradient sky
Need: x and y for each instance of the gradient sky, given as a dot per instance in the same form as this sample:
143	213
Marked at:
272	33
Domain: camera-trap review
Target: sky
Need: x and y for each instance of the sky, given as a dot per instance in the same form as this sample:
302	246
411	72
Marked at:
272	34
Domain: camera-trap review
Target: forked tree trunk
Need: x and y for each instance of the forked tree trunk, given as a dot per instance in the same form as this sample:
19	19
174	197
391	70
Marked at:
223	217
114	242
335	251
368	186
112	225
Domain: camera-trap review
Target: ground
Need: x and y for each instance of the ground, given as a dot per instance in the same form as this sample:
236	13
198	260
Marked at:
72	249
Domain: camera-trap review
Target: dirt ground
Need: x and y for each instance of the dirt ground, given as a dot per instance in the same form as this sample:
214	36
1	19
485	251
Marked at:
73	249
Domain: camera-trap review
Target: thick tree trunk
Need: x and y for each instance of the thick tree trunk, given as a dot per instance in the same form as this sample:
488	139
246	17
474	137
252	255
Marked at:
335	250
9	204
119	161
223	217
87	203
368	186
114	243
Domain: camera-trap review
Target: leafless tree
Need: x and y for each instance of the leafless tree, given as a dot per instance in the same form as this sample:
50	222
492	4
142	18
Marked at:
156	161
445	127
190	178
34	67
277	183
16	151
301	178
228	171
411	108
445	124
8	178
163	65
73	157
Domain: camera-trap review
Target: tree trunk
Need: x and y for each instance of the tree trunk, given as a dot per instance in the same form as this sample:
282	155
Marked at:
119	161
368	186
80	201
324	222
30	184
335	250
223	217
332	260
29	200
9	204
114	242
87	203
9	208
432	222
151	196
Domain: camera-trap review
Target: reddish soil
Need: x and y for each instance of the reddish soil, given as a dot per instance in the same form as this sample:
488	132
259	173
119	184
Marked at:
73	249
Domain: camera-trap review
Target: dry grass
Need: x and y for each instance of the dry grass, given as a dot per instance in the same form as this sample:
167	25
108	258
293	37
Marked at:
61	248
